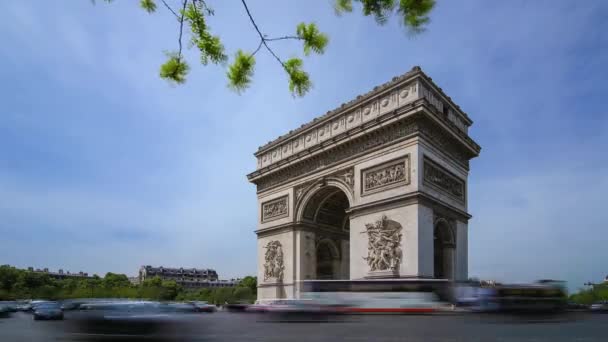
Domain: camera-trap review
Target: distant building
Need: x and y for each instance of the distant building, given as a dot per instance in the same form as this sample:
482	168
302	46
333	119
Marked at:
190	278
134	280
61	274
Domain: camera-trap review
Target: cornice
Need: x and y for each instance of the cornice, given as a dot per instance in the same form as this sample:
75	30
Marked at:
356	115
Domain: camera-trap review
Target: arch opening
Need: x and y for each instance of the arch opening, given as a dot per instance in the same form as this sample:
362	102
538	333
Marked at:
443	250
326	212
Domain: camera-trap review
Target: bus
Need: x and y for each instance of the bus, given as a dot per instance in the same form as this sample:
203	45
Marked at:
379	295
542	296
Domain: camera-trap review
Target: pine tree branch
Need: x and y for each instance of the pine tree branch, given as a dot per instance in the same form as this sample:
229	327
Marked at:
261	35
170	9
181	28
285	37
258	48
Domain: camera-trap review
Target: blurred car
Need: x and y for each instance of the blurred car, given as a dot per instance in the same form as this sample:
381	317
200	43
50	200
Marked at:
70	305
297	310
5	311
181	307
48	311
237	307
204	307
576	306
131	321
601	307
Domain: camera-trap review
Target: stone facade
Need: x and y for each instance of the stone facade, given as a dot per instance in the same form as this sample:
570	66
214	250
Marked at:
374	188
190	278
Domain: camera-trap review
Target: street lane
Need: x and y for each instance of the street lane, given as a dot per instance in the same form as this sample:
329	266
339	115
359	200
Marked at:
224	326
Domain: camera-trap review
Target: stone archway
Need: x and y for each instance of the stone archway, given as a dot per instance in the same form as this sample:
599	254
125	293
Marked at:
362	187
324	213
327	260
443	250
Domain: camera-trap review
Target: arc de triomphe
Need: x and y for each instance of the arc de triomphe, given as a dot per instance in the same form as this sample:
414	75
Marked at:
376	188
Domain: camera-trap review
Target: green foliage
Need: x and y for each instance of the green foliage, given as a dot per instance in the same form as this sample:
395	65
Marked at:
210	46
175	68
414	16
314	40
8	277
299	81
595	294
250	282
240	71
148	5
22	284
342	6
414	13
112	280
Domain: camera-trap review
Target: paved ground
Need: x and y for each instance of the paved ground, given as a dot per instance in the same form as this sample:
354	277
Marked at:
224	326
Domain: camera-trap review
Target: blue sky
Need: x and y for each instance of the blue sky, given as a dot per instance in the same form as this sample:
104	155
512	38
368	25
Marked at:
105	167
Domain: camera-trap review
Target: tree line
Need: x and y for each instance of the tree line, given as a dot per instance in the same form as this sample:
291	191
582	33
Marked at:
25	284
597	293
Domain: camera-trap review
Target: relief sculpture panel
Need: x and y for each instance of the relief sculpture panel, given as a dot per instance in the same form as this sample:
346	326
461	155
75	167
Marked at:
435	176
387	175
275	209
384	245
273	261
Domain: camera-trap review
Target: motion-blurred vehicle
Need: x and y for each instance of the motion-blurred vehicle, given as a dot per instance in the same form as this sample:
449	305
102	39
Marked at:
9	306
542	296
130	321
237	307
181	307
48	311
204	307
25	307
296	310
5	311
398	296
600	307
576	306
260	306
70	305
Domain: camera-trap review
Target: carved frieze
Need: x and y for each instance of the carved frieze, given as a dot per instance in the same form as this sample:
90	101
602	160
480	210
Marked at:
273	261
347	176
275	209
347	150
442	179
299	190
383	136
387	175
384	245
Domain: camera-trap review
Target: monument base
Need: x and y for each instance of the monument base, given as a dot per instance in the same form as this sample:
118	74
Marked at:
382	274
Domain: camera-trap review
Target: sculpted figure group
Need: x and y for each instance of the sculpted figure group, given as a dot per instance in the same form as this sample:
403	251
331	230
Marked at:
391	174
273	265
384	241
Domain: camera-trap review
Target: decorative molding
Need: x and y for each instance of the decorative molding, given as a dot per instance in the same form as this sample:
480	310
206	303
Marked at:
349	149
273	262
300	189
381	137
374	105
347	176
384	245
442	179
275	209
385	176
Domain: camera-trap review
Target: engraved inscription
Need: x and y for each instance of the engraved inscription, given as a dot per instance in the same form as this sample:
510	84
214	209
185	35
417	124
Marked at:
275	209
434	175
386	175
